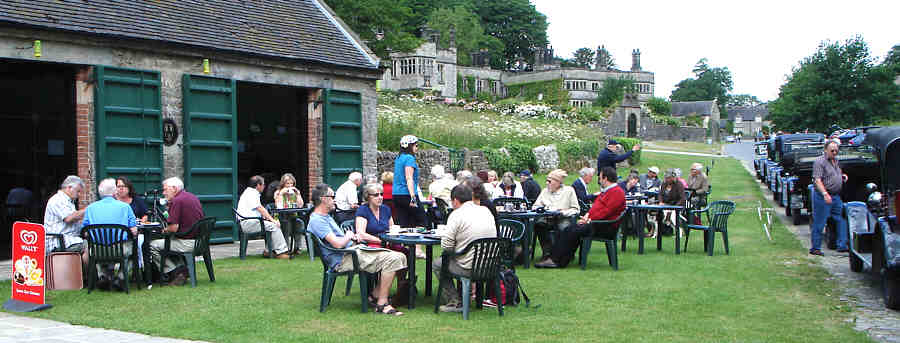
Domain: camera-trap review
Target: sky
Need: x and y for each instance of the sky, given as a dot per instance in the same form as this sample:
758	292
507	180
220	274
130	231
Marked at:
759	41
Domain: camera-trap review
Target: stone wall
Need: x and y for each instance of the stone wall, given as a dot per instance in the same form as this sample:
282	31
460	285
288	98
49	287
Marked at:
648	130
474	160
547	157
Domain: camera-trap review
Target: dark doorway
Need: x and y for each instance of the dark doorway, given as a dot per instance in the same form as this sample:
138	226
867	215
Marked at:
272	134
632	125
37	135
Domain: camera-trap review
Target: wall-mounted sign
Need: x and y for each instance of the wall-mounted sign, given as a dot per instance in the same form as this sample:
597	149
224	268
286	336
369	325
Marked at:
170	131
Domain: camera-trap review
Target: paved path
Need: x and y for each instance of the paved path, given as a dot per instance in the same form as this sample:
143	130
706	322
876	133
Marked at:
15	328
681	153
859	290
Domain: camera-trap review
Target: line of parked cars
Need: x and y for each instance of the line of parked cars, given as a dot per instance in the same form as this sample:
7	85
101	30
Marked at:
871	160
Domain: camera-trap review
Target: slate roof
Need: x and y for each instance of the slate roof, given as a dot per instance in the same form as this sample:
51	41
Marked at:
701	108
292	29
748	113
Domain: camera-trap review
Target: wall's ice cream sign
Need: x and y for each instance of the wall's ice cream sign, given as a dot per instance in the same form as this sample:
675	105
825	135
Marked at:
28	265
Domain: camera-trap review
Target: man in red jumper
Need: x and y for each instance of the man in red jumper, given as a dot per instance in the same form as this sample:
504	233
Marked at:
609	205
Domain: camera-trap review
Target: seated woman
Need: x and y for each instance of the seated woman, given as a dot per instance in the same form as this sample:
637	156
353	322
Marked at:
288	196
509	187
631	185
373	218
671	192
699	183
555	197
125	193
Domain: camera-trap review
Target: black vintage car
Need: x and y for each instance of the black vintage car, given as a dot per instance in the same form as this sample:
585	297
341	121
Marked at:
782	147
759	159
874	230
796	176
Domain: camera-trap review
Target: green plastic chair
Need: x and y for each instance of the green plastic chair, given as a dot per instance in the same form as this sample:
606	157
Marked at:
513	230
486	265
329	277
202	229
717	216
244	237
106	244
606	231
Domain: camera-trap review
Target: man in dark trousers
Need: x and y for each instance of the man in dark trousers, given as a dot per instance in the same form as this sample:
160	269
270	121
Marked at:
529	186
608	156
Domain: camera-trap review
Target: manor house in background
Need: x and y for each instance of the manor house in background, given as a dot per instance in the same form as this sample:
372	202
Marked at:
432	67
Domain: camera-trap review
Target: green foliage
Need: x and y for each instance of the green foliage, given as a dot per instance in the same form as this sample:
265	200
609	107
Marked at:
627	143
693	120
519	157
485	96
589	114
659	106
574	155
469	33
517	24
552	90
710	83
743	100
729	127
838	84
367	17
612	91
470	86
583	57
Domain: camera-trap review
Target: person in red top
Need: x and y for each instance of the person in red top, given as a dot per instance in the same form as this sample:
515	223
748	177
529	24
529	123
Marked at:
608	205
184	210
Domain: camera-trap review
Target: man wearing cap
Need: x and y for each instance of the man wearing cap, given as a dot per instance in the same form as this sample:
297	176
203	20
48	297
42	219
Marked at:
828	181
651	179
531	188
608	156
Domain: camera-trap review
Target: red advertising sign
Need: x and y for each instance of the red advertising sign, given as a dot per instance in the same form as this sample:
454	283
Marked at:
28	262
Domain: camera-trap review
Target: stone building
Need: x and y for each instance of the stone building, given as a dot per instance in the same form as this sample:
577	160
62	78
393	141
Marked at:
430	67
749	120
210	91
707	110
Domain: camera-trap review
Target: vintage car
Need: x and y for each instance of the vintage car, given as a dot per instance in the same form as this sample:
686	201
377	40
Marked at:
797	175
780	147
759	159
874	230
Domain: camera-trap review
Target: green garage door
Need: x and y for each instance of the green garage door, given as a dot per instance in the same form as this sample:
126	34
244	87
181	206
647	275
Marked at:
342	136
210	139
128	126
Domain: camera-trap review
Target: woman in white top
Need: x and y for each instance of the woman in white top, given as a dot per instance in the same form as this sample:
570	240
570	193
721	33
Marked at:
508	187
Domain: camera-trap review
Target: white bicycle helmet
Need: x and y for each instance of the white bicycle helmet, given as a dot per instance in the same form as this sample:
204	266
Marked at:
407	140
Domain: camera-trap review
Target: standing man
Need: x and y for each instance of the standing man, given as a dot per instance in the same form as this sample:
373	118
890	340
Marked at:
586	175
108	210
829	180
249	206
608	205
384	262
608	156
346	199
531	188
184	210
62	217
466	223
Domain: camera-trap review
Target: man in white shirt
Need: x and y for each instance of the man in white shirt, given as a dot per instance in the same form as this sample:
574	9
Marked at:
467	222
442	185
62	217
249	206
346	199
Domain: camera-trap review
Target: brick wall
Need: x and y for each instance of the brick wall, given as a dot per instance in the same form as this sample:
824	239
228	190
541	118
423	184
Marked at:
84	124
314	134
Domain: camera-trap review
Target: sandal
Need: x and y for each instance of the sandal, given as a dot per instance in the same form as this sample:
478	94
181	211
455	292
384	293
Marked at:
373	302
380	309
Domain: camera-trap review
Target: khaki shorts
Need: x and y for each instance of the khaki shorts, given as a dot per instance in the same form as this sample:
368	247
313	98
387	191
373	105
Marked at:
374	261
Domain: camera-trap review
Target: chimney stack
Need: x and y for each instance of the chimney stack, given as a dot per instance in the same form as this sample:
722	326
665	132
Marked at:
636	60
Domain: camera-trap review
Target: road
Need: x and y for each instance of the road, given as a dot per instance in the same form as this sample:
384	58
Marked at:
860	290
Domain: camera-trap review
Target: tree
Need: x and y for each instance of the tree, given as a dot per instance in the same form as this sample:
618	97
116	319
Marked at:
613	90
710	83
743	100
659	106
469	34
369	17
517	24
583	57
838	84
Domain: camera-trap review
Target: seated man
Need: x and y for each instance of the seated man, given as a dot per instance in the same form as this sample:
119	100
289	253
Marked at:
580	185
184	210
384	262
609	205
108	210
62	217
346	199
556	197
631	185
249	206
465	224
442	185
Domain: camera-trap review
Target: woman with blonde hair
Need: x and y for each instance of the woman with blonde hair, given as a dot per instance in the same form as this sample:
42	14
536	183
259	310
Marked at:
288	196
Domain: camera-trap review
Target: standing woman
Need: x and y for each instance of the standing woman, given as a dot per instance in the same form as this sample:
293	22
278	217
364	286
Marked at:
288	196
125	193
406	182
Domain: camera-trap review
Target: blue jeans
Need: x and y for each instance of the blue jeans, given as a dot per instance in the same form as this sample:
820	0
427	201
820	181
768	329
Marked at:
821	212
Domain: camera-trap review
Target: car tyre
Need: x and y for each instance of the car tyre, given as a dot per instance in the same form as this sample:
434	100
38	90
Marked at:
856	263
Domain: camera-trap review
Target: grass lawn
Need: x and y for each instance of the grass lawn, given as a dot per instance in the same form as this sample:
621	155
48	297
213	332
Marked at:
714	148
763	292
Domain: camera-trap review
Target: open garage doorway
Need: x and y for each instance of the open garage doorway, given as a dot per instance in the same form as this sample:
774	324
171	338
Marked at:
37	136
272	131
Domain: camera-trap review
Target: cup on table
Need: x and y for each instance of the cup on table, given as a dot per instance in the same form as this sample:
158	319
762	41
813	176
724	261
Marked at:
394	230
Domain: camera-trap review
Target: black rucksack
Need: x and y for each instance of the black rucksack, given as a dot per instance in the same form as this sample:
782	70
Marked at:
510	289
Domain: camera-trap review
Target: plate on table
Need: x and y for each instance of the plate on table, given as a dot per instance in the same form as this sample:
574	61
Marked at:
432	236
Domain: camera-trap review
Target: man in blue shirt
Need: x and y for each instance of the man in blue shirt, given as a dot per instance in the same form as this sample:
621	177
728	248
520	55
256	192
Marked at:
108	210
608	156
385	262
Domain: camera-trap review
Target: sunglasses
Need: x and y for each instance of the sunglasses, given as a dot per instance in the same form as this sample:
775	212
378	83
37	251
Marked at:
328	196
377	194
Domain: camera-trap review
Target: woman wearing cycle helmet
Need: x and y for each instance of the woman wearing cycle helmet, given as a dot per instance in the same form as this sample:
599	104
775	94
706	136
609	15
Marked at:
406	184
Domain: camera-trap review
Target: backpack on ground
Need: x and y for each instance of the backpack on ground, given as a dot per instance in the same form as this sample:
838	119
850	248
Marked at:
510	287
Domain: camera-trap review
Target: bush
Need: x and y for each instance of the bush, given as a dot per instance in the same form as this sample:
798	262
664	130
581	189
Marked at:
519	157
484	96
573	154
627	143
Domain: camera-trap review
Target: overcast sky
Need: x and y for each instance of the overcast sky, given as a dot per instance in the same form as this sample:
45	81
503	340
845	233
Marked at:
759	41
